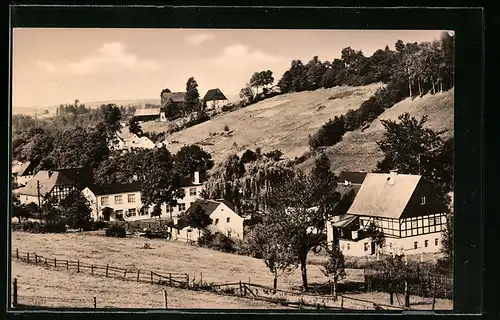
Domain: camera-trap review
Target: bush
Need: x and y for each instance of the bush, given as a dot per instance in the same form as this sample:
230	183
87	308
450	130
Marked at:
100	224
228	107
223	243
248	156
226	127
329	134
116	231
55	227
207	238
32	226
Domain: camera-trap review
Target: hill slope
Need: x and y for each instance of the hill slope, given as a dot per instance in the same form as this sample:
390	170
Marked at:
283	122
359	151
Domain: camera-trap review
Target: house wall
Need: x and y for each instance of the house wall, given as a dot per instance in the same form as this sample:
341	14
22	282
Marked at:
354	248
416	207
110	201
91	198
233	228
25	199
187	234
191	194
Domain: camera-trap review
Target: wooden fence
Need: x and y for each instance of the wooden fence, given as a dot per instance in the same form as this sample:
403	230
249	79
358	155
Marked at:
292	299
173	279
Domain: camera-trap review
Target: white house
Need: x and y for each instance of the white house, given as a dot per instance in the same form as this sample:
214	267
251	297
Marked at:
192	192
224	220
115	202
403	207
22	172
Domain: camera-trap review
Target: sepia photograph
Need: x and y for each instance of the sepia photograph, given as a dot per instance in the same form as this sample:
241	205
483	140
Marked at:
261	169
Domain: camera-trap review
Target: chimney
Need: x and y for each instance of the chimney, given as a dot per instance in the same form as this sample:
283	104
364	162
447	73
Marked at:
196	178
392	176
346	183
393	173
354	235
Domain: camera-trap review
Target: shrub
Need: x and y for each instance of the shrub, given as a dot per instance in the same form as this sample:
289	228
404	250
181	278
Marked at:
100	224
223	243
116	231
248	156
55	227
229	107
329	134
32	226
226	127
275	155
207	238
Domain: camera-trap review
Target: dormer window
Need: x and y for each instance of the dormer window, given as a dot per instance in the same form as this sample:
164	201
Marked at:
422	201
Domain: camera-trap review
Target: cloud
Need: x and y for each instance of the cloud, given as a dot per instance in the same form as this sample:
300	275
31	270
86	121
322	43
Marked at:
199	38
110	56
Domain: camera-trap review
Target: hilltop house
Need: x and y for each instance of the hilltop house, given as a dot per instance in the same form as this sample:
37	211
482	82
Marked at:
115	202
224	220
147	114
56	184
170	100
404	207
214	98
192	192
22	172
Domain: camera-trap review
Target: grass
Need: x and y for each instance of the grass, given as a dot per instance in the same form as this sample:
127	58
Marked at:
283	122
50	288
217	267
359	151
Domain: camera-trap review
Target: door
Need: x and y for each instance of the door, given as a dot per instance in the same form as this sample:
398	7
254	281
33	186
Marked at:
372	248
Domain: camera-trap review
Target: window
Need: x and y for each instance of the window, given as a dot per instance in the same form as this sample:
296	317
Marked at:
426	243
192	191
438	220
366	246
104	201
119	214
217	221
131	212
168	208
390	245
228	219
118	199
229	234
348	246
431	221
415	245
182	206
131	198
422	201
436	242
414	224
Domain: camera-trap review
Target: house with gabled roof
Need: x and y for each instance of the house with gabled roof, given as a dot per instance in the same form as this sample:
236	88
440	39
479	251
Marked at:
116	202
403	207
193	189
170	100
147	114
224	220
22	172
214	98
55	184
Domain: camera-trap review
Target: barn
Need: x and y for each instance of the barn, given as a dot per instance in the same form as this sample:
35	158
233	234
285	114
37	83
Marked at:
214	98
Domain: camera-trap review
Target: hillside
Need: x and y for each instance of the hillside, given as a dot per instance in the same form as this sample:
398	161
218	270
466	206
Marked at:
283	122
359	151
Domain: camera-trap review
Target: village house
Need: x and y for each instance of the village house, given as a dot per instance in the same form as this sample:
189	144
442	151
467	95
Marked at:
115	202
224	220
192	192
54	184
147	114
170	100
404	207
214	98
22	172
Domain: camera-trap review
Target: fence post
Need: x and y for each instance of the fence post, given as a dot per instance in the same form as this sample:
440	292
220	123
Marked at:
28	257
78	265
125	274
107	268
36	259
17	253
170	278
55	262
241	290
92	269
341	302
138	271
166	298
14	294
95	302
187	280
407	295
67	264
151	276
434	294
46	262
201	277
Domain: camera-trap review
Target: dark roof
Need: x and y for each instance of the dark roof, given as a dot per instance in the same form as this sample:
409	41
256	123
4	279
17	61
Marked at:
384	195
115	188
352	177
344	221
176	97
208	206
78	177
214	94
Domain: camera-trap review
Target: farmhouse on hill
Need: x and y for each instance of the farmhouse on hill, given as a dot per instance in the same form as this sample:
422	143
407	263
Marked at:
115	202
57	184
214	98
404	207
224	220
147	114
170	100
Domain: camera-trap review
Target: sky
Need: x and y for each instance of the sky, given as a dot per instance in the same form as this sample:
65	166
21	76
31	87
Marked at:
54	66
